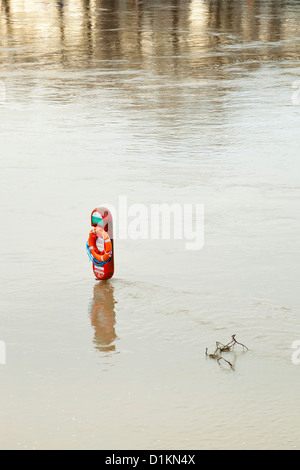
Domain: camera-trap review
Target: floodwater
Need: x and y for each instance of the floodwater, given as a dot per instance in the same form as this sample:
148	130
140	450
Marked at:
173	101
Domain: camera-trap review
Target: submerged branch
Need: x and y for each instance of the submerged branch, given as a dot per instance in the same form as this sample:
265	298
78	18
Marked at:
224	348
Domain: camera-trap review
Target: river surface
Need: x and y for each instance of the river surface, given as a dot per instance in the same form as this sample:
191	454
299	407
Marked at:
161	101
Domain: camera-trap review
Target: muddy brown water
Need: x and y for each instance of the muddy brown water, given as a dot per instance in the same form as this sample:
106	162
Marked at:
161	101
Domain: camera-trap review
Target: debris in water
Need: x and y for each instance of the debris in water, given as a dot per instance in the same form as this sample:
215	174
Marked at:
225	348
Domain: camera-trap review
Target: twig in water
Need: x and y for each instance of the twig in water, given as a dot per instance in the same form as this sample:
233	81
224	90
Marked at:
218	357
222	358
212	356
233	342
223	348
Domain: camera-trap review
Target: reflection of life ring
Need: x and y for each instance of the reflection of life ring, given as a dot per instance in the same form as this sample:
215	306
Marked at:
100	244
103	317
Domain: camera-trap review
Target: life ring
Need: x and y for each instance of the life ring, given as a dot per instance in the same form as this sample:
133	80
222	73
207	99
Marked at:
100	244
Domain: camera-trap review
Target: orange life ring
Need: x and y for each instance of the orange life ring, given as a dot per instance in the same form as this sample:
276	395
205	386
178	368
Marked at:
100	255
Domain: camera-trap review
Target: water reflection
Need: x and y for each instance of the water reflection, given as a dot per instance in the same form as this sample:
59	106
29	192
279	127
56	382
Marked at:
6	8
175	35
103	317
61	22
5	14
